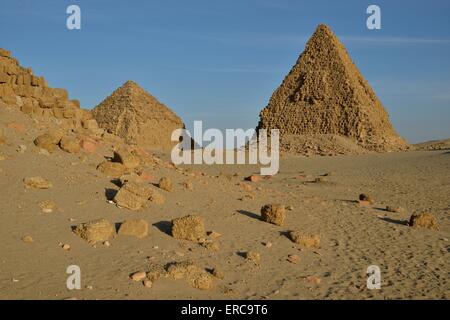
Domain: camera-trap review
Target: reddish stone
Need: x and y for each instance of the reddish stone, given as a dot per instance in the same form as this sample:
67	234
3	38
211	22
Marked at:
18	127
253	178
89	145
146	176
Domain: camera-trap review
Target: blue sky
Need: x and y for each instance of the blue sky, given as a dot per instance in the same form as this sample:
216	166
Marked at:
220	61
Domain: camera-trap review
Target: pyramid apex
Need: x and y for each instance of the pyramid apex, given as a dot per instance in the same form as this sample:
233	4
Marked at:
130	83
323	31
323	27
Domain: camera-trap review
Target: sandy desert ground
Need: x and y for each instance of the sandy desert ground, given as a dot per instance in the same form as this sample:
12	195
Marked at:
414	262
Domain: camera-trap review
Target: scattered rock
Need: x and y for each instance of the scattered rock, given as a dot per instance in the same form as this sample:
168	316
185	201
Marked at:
157	197
188	185
314	279
273	213
293	258
166	184
37	183
49	140
44	152
253	178
133	196
66	247
125	157
210	245
305	240
95	231
246	187
27	239
253	256
138	276
365	198
218	273
394	209
424	220
136	227
214	234
47	206
179	270
195	276
129	177
190	228
111	169
155	272
21	148
201	280
146	175
268	244
147	283
70	144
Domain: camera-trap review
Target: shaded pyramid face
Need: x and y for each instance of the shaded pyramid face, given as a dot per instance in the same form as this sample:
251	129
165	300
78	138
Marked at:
325	94
133	114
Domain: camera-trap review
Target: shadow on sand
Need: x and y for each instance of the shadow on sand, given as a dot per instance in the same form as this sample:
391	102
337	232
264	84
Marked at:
250	214
399	222
164	226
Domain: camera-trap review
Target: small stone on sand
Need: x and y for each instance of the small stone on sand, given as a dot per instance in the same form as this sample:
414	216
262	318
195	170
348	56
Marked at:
253	256
138	276
305	240
293	258
37	183
27	239
190	227
424	220
165	183
273	213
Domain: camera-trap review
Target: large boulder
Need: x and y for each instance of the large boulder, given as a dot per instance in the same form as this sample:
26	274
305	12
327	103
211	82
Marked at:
190	228
95	231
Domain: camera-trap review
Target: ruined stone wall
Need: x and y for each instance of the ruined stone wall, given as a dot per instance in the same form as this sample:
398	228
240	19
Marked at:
19	87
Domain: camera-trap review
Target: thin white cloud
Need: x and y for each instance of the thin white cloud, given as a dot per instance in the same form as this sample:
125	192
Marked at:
392	40
229	69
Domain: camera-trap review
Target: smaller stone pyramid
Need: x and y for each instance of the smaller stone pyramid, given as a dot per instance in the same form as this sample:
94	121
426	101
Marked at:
324	101
140	119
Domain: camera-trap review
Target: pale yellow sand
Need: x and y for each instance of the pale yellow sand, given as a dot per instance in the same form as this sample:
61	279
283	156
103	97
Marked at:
414	262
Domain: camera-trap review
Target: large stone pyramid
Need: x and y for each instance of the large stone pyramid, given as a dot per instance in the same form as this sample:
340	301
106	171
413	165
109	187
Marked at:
325	100
133	114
